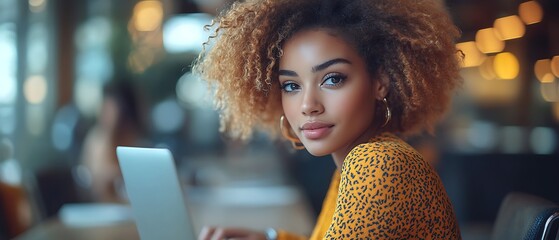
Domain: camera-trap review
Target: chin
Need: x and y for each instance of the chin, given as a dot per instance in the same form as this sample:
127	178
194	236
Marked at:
317	151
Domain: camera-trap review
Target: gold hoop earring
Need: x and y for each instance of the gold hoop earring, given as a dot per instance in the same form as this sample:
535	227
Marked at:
286	132
388	113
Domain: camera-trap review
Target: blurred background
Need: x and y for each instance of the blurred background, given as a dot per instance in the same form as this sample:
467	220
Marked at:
80	77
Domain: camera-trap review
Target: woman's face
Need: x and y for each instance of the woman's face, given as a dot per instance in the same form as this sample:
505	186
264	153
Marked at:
328	95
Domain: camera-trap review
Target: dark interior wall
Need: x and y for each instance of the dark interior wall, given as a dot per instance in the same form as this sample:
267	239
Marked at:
477	184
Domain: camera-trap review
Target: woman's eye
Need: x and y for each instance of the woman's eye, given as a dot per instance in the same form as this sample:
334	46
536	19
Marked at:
289	87
333	80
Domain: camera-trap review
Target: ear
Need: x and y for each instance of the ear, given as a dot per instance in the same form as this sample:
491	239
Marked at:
380	85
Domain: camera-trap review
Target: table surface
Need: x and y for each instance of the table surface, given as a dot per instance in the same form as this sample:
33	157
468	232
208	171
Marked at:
281	207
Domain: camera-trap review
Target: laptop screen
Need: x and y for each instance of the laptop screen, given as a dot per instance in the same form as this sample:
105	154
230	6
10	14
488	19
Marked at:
155	194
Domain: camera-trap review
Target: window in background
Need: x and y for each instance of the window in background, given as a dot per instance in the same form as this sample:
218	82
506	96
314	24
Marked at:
94	66
37	85
185	33
8	86
8	77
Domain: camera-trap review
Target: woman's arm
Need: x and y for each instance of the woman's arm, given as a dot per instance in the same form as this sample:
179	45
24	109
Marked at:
371	202
387	191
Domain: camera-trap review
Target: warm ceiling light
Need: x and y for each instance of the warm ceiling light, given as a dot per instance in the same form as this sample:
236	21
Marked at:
472	56
542	69
487	41
506	66
35	89
37	5
530	12
148	15
510	27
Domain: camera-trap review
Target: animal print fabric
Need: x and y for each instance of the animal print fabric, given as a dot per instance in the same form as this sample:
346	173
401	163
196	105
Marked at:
385	191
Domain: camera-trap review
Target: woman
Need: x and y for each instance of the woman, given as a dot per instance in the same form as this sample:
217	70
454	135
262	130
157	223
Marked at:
117	124
343	78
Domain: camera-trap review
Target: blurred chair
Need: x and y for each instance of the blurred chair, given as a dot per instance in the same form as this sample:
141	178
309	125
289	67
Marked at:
525	216
15	211
54	187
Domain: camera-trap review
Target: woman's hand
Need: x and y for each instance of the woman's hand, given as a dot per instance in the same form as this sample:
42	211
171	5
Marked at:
219	233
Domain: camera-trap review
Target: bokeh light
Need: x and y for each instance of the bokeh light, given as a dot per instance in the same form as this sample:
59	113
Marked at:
510	27
542	69
543	140
530	12
167	116
488	42
506	65
472	56
8	60
148	15
482	135
96	32
512	139
555	66
64	124
185	33
88	95
10	172
37	5
35	89
192	92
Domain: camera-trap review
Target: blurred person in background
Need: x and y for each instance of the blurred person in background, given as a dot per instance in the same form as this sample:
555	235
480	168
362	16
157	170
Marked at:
348	78
117	124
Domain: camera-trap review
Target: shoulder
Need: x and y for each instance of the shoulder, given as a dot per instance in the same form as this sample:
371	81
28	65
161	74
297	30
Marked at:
382	151
390	166
386	179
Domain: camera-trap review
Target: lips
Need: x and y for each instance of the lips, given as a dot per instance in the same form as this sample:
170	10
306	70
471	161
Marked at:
316	130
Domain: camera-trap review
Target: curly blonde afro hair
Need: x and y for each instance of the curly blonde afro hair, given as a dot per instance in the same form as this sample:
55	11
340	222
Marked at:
410	43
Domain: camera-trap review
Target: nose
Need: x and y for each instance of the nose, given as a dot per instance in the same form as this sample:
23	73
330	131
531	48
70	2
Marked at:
311	104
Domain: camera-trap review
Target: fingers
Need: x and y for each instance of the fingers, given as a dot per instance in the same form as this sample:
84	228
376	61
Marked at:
220	234
206	233
217	233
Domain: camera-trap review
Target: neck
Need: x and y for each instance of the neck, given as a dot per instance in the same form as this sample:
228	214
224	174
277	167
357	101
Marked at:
340	155
338	160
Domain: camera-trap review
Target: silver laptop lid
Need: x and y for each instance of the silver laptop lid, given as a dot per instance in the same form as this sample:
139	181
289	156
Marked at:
154	191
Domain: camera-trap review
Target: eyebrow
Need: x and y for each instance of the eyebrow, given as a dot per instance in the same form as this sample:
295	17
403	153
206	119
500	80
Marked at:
329	63
288	73
316	68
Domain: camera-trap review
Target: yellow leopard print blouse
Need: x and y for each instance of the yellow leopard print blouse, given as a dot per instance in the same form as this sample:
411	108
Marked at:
385	191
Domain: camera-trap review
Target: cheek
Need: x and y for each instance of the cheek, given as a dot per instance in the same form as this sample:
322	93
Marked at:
290	107
358	105
286	105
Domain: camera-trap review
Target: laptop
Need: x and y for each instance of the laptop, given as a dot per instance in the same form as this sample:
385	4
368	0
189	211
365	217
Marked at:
155	194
